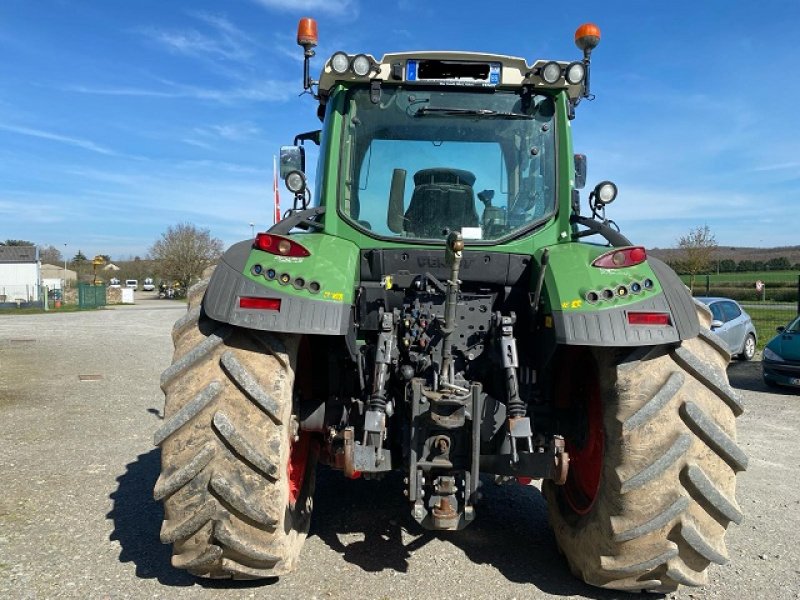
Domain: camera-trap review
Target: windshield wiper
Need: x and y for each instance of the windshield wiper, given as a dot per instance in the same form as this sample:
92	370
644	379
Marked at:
470	112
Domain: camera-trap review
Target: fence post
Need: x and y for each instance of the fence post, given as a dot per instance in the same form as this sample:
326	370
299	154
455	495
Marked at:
798	294
708	285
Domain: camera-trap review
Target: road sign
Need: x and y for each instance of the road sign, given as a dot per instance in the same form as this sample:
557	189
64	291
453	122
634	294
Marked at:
759	286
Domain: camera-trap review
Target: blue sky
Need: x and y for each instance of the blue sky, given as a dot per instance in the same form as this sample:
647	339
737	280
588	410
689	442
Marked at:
121	118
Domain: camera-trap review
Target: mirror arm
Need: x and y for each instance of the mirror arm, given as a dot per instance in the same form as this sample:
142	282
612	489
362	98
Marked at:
614	237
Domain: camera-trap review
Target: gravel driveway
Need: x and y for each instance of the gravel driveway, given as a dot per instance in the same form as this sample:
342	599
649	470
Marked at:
79	402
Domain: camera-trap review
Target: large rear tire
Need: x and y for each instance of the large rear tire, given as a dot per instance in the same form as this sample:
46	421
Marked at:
236	479
651	488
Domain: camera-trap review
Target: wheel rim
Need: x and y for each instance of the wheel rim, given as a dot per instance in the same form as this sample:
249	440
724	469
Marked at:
586	453
298	463
750	347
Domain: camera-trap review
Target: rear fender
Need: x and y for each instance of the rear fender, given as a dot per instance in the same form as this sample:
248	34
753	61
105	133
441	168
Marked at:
316	299
577	320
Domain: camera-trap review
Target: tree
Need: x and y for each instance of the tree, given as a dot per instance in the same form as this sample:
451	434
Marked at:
80	257
184	252
780	263
727	265
698	246
50	255
18	243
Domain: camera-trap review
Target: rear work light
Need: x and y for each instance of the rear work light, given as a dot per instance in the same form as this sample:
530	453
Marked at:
276	244
260	303
621	257
648	318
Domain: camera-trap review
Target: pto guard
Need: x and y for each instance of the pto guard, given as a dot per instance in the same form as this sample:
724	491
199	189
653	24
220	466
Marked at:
570	278
327	310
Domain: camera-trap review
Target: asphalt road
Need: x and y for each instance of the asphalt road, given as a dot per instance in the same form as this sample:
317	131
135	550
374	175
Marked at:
79	402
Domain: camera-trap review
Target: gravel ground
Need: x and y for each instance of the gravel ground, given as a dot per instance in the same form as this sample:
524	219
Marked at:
77	468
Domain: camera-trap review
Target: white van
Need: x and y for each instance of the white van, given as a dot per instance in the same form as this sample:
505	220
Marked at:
132	283
148	285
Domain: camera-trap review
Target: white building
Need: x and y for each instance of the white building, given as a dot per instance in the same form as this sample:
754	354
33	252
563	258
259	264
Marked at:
19	274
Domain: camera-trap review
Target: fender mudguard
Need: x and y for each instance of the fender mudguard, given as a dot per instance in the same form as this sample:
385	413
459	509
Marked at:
312	295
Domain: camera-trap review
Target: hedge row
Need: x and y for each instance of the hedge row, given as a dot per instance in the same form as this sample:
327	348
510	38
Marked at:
774	294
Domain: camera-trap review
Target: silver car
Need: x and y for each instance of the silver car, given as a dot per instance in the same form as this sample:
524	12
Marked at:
733	325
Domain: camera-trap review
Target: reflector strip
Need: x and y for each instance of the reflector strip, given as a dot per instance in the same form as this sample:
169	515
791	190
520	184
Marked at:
648	318
260	303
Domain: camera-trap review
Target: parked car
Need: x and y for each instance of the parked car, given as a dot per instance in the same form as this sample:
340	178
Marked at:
733	325
781	360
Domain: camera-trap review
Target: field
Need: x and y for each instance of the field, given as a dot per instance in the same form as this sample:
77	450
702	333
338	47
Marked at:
767	317
786	278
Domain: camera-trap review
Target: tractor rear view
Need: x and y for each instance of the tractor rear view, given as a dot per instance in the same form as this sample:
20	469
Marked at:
437	306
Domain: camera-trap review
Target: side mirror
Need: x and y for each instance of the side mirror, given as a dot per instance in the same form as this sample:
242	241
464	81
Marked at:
580	171
716	323
293	158
394	218
780	329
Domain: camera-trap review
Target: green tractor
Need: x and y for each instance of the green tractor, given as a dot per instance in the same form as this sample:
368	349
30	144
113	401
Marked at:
434	308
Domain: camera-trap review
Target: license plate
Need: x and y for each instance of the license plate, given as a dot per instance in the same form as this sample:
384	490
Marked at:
794	381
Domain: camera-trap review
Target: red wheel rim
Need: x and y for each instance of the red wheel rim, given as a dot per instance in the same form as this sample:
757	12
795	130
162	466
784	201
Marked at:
585	453
298	462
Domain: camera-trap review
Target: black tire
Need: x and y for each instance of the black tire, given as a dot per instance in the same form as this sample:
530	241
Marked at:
226	441
749	348
666	465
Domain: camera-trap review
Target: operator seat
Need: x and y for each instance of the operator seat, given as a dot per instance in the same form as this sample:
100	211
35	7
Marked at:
442	199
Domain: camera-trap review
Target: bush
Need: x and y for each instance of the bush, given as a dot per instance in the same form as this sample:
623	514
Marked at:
749	294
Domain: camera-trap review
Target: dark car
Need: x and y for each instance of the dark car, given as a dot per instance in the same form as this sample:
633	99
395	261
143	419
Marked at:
733	325
781	360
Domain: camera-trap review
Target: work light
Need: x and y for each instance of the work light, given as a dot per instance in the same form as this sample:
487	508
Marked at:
340	62
551	72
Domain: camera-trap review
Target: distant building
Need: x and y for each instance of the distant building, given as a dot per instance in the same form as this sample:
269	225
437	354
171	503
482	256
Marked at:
111	267
53	276
19	274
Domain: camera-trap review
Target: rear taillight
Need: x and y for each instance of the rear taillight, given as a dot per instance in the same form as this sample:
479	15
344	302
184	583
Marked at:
648	318
621	257
276	244
260	303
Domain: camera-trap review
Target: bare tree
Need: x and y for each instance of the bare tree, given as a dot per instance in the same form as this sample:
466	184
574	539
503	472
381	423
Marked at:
698	248
184	251
50	255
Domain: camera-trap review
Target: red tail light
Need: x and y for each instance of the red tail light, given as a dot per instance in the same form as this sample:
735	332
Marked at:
621	257
276	244
260	303
648	318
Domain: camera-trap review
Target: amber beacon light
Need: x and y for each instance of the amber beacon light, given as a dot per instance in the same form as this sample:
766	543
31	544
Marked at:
307	32
587	36
307	37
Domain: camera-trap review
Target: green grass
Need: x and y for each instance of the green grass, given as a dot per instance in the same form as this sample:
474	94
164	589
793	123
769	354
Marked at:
37	311
785	277
767	319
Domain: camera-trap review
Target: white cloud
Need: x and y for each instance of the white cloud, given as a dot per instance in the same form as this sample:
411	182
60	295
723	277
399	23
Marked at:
56	137
223	40
342	7
266	90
